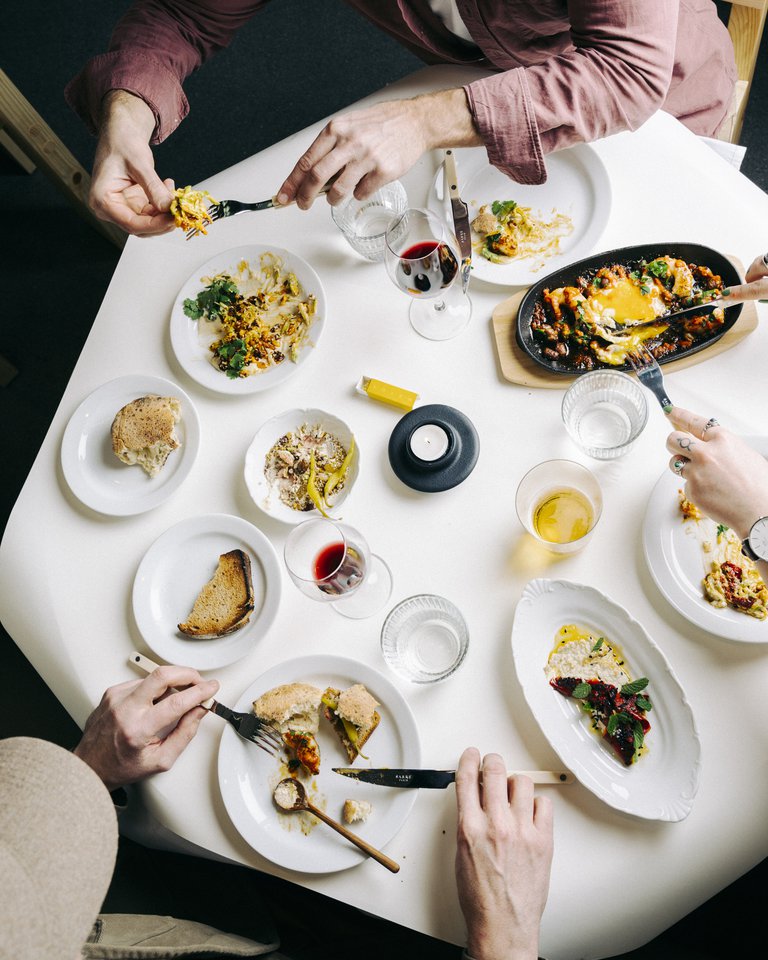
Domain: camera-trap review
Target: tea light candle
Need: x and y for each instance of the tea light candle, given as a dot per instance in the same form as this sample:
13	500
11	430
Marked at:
429	442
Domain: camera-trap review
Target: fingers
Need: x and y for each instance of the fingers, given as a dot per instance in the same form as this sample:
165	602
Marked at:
691	423
543	814
683	444
468	781
677	464
179	738
520	790
162	678
495	789
173	707
756	290
310	174
758	268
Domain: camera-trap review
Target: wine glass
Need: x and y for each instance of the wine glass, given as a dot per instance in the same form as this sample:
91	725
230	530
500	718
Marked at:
331	562
422	258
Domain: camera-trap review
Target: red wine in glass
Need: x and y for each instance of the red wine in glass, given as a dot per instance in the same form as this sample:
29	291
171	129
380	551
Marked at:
339	568
426	268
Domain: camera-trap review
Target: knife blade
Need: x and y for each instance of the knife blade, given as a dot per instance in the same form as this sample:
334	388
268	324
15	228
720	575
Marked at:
434	779
702	308
460	216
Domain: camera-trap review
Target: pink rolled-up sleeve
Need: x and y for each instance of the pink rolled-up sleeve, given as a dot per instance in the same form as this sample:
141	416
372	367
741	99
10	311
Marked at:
154	48
614	77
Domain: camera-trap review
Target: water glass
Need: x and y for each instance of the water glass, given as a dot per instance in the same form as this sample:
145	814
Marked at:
364	222
605	412
424	638
559	503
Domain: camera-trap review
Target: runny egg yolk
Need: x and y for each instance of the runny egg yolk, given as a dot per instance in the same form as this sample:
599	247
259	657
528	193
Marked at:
627	301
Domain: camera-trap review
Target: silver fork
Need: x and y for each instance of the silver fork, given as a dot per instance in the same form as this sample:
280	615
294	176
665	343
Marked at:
230	208
649	374
247	725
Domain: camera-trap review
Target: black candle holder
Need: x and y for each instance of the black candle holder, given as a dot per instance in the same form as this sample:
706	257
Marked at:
449	470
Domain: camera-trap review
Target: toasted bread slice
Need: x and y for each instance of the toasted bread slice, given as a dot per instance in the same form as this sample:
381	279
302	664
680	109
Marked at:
226	602
143	432
353	715
294	709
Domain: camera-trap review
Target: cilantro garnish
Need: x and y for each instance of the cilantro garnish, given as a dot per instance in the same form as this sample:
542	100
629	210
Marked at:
597	646
207	304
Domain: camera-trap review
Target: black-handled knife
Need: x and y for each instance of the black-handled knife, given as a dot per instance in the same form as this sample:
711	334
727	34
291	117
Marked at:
435	779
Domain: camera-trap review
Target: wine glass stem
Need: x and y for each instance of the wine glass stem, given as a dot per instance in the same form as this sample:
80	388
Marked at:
439	305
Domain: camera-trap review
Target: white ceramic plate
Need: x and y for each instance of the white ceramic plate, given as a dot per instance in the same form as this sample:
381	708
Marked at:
247	775
674	557
95	475
174	570
577	185
264	496
662	784
189	340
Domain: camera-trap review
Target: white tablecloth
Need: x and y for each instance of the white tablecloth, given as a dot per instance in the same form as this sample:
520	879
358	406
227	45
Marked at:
66	572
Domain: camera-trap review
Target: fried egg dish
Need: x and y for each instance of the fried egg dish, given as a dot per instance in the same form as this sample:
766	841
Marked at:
612	312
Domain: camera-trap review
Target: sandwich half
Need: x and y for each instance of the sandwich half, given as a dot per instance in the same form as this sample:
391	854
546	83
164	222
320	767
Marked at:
352	714
294	709
143	432
226	602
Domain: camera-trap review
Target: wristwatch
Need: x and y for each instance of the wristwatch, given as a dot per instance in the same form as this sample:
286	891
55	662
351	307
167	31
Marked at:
755	546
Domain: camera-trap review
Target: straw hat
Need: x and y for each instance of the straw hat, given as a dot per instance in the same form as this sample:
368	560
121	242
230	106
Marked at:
58	841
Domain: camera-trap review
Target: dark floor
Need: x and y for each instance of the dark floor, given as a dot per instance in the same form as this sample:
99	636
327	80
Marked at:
59	269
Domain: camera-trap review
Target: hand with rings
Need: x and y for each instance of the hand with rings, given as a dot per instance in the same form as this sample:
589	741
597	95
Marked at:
725	477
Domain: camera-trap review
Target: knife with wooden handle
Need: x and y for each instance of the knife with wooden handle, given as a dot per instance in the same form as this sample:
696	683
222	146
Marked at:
460	217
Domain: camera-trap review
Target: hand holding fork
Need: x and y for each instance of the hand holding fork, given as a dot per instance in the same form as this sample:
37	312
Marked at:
649	374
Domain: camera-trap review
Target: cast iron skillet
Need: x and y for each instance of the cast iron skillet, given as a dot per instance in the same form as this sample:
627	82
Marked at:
567	276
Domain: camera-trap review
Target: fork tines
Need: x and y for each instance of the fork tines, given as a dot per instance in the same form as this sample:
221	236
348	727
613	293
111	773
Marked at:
649	374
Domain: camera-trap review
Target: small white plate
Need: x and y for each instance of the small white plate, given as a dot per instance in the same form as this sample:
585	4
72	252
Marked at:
247	775
577	185
662	784
267	499
174	570
95	475
191	345
674	557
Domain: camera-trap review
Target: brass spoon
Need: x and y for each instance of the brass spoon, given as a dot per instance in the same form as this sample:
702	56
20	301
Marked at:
290	796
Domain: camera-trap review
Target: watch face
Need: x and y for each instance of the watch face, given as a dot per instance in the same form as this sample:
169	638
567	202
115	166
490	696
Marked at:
758	538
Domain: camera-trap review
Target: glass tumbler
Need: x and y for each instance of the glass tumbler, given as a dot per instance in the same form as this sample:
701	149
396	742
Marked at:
559	503
424	638
605	412
364	222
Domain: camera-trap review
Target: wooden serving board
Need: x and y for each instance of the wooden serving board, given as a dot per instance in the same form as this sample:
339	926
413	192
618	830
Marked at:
518	367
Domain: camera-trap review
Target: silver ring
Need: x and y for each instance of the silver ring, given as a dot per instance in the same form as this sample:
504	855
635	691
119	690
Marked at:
678	466
765	259
712	422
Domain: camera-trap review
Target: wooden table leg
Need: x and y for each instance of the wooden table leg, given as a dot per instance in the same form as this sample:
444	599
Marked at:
39	144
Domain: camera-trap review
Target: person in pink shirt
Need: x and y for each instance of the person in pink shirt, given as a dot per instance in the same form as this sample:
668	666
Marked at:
565	72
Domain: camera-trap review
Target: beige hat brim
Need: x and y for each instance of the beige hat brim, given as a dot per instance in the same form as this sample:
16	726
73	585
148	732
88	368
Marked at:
58	842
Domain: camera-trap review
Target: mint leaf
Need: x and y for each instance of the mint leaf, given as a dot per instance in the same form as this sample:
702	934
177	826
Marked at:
503	208
635	686
644	704
581	691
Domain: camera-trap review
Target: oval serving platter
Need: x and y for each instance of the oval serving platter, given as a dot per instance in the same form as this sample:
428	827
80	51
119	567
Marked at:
661	784
567	276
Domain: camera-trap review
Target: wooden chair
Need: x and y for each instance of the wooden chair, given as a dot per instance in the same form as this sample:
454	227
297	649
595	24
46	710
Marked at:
745	25
32	143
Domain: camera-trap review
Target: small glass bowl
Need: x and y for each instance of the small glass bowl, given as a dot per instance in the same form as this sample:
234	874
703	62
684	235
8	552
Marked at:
364	222
424	638
605	412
